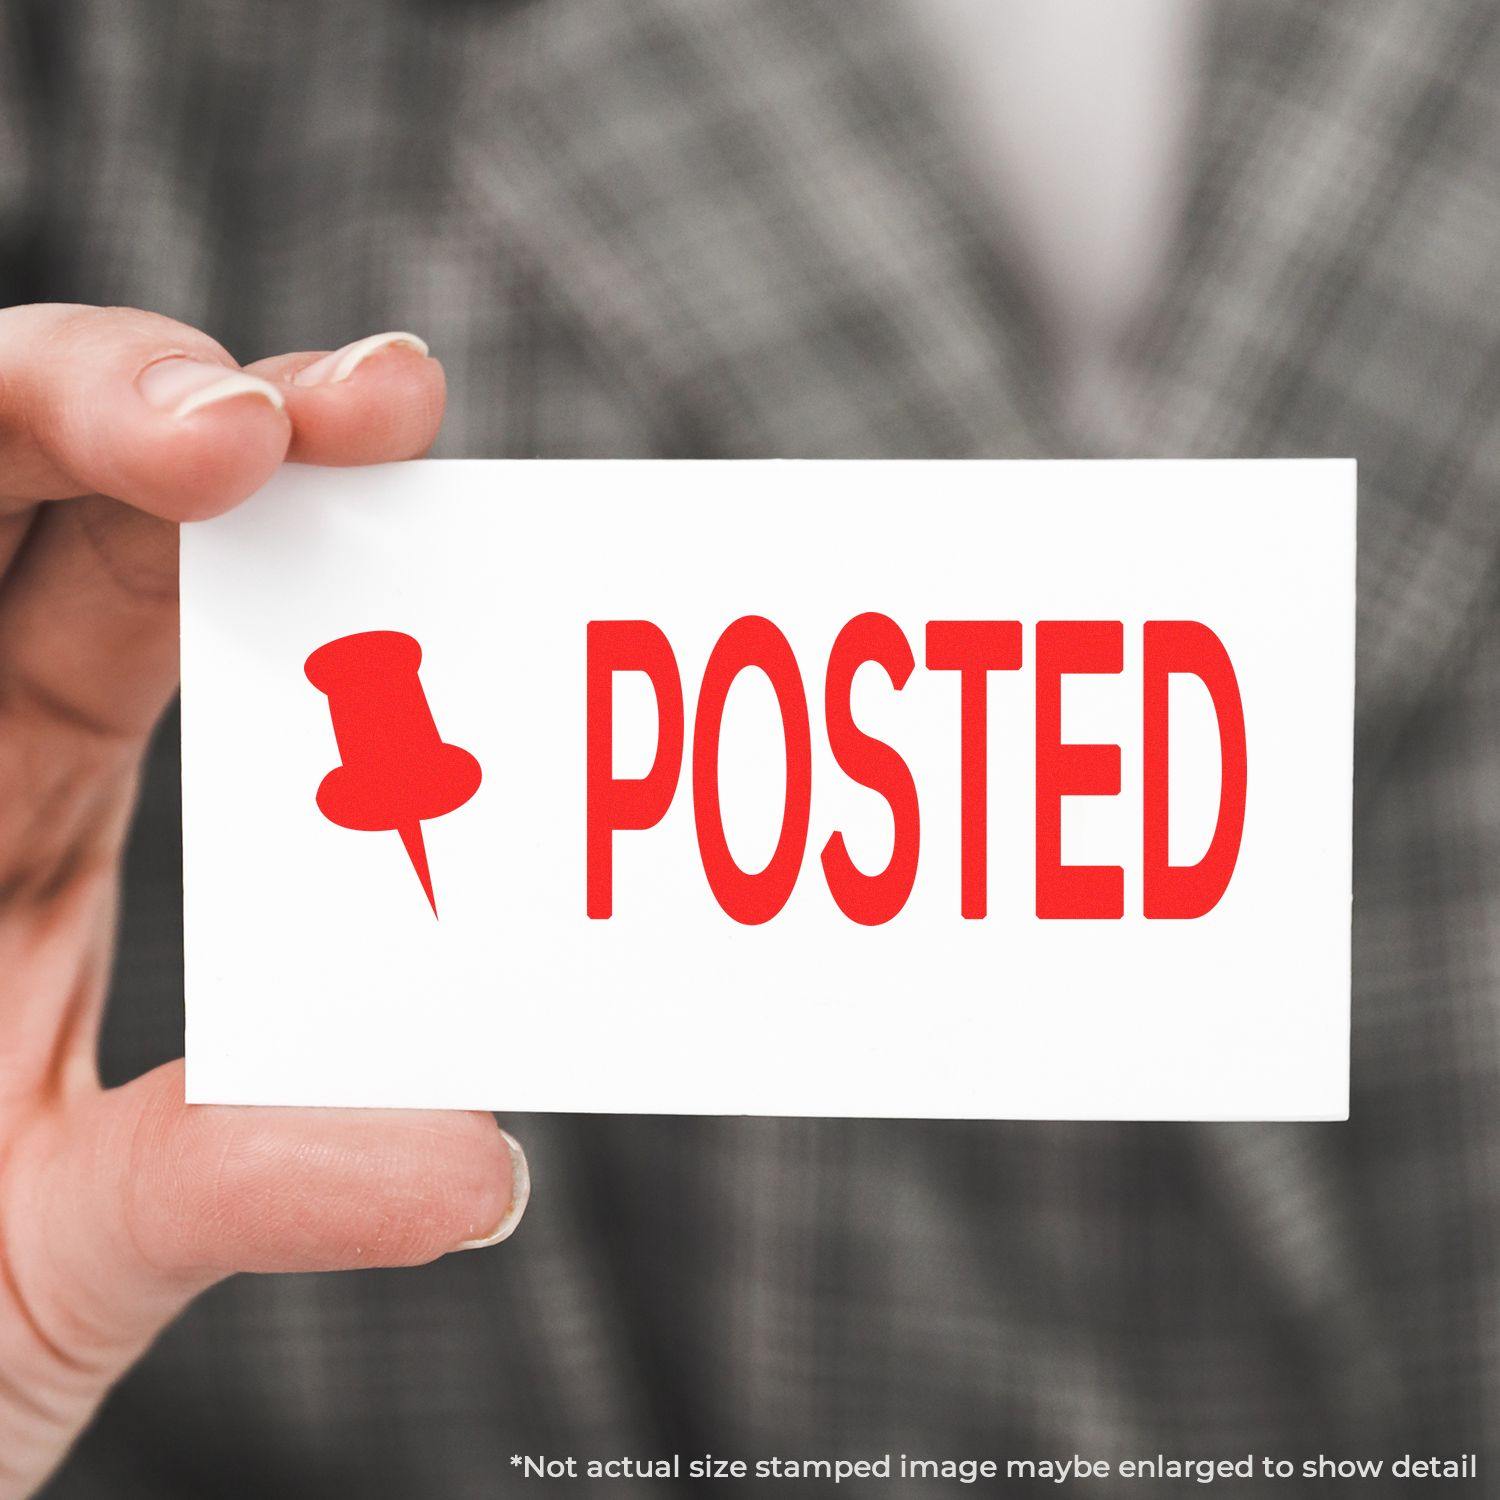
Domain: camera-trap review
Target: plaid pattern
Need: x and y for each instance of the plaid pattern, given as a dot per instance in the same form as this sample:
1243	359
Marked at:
734	227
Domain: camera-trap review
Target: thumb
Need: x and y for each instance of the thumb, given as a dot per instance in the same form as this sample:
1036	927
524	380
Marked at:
119	1209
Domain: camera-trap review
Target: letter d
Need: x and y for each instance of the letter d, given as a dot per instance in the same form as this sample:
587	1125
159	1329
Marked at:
1190	890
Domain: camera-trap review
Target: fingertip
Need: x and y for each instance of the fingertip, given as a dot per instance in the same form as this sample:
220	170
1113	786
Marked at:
520	1196
203	437
341	364
192	467
378	400
213	460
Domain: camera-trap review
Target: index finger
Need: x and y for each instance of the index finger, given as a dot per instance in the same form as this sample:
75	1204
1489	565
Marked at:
374	401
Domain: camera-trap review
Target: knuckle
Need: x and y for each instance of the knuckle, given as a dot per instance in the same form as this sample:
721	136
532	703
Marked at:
77	329
69	331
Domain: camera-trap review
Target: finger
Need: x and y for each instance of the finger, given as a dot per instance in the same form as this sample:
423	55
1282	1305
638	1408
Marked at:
88	625
376	400
121	402
122	1212
108	663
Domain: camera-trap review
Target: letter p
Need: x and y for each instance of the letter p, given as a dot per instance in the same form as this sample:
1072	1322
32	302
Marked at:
627	646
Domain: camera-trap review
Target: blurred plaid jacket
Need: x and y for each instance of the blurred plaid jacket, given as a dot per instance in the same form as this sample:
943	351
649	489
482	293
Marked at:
735	227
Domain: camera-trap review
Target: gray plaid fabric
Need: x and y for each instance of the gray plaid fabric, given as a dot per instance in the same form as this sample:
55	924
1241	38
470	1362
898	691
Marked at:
735	227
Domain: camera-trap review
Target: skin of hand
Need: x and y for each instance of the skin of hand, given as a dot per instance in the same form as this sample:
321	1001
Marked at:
118	1206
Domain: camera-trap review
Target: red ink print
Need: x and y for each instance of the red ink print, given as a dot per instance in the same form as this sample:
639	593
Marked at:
396	770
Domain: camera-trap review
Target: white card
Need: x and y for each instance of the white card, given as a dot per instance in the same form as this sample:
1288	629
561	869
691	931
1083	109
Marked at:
669	924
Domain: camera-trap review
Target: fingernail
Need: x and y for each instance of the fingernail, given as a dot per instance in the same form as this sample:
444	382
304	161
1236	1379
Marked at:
342	363
182	386
520	1193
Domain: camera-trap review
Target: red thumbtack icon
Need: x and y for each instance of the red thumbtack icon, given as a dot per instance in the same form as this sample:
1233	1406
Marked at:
396	771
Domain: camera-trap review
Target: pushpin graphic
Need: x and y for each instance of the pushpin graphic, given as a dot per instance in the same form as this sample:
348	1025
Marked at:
396	771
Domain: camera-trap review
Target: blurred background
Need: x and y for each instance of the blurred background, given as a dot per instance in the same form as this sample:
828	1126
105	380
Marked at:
904	228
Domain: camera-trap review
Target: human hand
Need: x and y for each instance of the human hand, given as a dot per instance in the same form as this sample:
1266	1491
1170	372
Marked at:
118	1206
